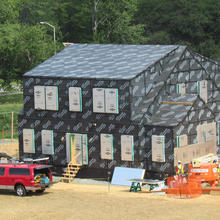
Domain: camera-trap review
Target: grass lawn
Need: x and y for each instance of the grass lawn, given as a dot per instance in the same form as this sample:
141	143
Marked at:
8	104
14	107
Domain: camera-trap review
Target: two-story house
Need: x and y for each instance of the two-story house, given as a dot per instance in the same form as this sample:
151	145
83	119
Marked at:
117	105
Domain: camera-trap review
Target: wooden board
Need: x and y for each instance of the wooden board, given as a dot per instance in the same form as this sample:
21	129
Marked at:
84	149
39	97
182	140
177	103
107	146
158	148
187	153
28	141
206	132
75	99
111	101
78	148
127	147
68	150
99	100
52	98
47	142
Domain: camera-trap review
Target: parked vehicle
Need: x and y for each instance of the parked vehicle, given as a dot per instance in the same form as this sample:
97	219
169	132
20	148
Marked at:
22	177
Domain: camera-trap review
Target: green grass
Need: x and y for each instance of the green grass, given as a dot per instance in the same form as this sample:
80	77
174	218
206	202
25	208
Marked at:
8	104
14	107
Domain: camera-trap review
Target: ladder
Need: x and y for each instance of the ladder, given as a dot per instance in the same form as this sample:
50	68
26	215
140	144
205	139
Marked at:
71	171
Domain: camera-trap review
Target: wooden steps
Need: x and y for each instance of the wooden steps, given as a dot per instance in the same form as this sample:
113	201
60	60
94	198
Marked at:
71	171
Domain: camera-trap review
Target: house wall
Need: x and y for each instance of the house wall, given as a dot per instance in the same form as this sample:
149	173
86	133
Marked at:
139	98
86	122
191	69
159	167
197	115
147	89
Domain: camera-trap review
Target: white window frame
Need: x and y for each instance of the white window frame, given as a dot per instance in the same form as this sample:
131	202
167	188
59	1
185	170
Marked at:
49	134
44	105
155	145
105	101
29	133
73	107
130	148
103	150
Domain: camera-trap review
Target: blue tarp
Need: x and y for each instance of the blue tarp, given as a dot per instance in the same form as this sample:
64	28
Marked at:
121	175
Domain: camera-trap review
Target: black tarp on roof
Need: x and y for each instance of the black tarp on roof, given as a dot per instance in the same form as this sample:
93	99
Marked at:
101	61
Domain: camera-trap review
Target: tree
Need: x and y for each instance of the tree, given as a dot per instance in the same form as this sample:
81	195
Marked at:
194	23
22	48
8	11
99	21
34	11
114	22
74	20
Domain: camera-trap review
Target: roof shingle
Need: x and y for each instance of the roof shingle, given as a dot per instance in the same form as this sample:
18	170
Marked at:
102	61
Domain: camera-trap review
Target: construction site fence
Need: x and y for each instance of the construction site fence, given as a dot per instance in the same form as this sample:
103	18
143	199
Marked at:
8	125
183	187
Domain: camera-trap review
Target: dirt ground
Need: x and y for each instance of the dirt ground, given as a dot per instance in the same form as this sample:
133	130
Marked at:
95	202
81	201
11	148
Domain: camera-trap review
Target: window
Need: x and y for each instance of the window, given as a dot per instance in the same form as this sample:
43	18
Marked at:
127	147
28	141
181	88
106	146
105	100
158	148
19	171
206	132
47	142
75	99
181	140
51	98
202	90
39	97
2	171
46	97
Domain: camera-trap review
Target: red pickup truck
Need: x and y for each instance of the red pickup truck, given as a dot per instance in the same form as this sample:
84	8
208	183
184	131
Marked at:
22	177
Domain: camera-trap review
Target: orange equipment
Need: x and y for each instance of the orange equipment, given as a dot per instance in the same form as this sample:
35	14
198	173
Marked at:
205	173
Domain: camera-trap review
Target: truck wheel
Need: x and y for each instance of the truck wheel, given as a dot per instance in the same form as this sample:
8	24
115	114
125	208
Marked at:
20	190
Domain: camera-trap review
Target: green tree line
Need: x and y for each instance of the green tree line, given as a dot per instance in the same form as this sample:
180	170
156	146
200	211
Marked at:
24	42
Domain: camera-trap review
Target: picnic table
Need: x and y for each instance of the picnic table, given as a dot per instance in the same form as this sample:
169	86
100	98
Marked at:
136	184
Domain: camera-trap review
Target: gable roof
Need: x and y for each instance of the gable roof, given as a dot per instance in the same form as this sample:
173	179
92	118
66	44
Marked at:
172	111
102	61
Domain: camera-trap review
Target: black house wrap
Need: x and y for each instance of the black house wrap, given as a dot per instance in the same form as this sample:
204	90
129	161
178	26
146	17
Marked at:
122	91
